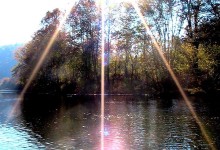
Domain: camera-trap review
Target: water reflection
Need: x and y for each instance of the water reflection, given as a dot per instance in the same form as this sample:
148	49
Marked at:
64	123
53	122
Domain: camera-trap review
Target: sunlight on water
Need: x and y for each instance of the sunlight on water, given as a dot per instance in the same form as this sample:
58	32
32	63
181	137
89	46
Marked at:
10	138
130	123
113	134
103	76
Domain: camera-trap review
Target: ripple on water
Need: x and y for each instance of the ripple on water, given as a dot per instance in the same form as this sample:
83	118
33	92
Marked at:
129	124
11	138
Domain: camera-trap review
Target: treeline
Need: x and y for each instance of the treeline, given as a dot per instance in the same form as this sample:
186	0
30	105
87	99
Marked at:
186	31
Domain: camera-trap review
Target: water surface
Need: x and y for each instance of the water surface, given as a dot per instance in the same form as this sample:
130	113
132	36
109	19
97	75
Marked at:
53	122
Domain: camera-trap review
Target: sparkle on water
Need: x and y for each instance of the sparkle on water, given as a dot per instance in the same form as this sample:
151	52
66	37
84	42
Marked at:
104	132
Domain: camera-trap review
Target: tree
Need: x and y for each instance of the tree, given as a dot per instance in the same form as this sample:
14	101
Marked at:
209	36
47	78
132	61
84	30
194	12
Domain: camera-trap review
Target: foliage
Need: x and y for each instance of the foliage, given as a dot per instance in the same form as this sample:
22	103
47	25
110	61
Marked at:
132	61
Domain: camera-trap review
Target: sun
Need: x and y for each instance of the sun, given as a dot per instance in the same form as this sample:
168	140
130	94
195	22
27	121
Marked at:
113	2
120	1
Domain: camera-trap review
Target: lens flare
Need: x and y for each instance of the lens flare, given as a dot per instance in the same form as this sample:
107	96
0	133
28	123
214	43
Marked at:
103	75
39	64
187	101
54	36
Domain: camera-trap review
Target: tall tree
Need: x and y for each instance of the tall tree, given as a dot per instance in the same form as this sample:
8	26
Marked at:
195	12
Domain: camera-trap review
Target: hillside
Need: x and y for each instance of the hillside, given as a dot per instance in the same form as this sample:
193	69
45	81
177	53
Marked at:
7	60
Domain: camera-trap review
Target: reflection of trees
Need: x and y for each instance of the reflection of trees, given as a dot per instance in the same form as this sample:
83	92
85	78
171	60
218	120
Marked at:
181	130
62	122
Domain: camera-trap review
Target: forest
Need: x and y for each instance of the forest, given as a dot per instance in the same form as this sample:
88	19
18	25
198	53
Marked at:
187	31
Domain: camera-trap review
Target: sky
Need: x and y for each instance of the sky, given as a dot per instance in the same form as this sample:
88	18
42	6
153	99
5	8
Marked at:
21	18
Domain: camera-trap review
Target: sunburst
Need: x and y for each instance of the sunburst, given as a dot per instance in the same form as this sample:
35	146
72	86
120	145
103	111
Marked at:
102	4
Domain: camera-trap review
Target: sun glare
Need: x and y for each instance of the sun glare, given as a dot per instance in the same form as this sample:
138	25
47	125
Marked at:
101	4
103	75
111	3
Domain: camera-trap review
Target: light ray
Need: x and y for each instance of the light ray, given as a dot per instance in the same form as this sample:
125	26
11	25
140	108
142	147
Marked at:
103	75
39	63
187	101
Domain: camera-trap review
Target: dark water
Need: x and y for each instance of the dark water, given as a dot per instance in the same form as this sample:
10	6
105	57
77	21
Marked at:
51	122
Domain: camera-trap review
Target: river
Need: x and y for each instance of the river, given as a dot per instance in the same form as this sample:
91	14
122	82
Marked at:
131	123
